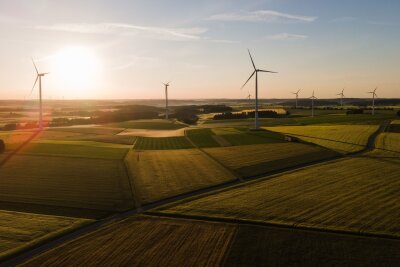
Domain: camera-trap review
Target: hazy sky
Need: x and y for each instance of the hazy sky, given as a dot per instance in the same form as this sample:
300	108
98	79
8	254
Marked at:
125	49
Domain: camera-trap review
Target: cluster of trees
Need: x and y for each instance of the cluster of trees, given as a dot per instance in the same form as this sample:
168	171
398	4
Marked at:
245	115
189	114
19	126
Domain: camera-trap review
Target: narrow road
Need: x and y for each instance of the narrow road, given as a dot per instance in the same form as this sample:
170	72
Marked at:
40	248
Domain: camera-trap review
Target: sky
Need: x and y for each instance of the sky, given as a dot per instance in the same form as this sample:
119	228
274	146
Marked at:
98	49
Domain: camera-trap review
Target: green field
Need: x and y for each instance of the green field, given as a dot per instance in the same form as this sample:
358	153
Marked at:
251	138
202	137
84	149
359	194
147	241
149	124
258	159
20	231
89	130
340	138
66	181
14	139
160	174
162	143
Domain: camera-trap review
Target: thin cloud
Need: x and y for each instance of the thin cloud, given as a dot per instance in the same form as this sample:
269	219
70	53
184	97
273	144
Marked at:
261	15
287	36
109	28
344	19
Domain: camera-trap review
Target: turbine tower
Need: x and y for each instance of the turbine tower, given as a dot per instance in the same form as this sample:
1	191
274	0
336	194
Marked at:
312	103
166	99
341	97
297	95
256	71
373	99
39	77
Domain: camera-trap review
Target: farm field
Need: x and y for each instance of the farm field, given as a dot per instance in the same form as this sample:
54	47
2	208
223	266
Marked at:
19	230
160	174
162	143
97	184
149	124
89	130
258	159
14	139
144	241
340	138
200	243
202	137
359	194
85	149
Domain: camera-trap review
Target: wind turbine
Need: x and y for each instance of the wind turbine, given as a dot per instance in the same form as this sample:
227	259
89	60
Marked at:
249	96
297	95
341	97
166	99
312	103
373	99
39	77
256	71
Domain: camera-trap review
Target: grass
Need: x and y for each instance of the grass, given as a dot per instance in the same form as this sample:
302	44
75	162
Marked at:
149	124
263	158
340	138
84	149
162	143
144	241
161	174
21	231
354	195
67	182
14	139
202	137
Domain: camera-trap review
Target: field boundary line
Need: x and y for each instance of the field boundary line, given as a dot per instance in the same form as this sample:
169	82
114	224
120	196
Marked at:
134	193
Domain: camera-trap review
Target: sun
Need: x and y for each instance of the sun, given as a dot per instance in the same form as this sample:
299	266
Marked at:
76	68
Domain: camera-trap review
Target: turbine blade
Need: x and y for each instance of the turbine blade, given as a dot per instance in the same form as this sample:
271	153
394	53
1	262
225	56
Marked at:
33	87
35	66
251	59
298	91
248	79
267	71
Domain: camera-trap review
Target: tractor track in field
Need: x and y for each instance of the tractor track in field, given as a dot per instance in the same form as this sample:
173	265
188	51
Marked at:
49	244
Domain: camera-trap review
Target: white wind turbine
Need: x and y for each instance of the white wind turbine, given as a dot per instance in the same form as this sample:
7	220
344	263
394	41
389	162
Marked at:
249	96
297	95
373	99
39	77
341	97
312	103
166	99
256	71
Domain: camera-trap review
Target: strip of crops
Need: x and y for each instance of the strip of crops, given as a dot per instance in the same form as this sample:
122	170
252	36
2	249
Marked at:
202	137
162	143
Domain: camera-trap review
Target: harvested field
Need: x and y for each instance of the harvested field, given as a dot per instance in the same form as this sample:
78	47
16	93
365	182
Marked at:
66	181
152	133
360	194
20	231
257	159
14	139
341	138
144	241
162	143
89	130
389	142
160	174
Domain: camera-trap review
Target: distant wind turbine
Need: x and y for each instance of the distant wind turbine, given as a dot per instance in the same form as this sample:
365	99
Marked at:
373	99
166	99
297	95
249	96
39	77
341	97
256	71
312	103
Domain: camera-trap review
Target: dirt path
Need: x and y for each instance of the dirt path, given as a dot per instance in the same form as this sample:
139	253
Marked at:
40	248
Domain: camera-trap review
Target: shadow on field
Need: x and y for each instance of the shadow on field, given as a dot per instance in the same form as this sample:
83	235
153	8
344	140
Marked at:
261	246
